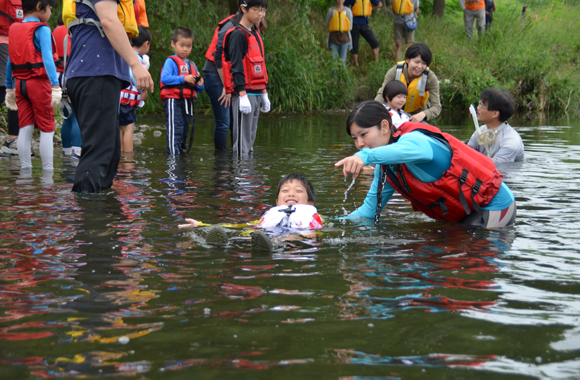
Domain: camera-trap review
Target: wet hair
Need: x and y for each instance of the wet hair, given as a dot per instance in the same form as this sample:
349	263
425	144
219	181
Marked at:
369	114
182	32
29	6
394	88
144	36
298	177
248	4
59	20
499	100
419	49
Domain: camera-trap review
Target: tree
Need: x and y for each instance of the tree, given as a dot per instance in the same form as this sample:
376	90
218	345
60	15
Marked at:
438	8
234	5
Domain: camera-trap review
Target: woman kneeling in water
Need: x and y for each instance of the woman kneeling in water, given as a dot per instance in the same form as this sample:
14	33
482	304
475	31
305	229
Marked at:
440	175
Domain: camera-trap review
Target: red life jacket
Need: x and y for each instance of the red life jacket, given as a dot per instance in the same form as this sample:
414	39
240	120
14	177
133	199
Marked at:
10	12
213	45
254	64
130	95
470	183
25	60
59	33
179	91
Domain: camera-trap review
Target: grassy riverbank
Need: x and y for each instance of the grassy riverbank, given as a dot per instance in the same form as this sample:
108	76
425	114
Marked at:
536	61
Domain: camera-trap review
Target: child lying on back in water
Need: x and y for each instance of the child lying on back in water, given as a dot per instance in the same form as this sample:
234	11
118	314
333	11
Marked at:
294	210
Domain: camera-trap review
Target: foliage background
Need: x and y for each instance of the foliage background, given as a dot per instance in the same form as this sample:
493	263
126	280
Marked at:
537	61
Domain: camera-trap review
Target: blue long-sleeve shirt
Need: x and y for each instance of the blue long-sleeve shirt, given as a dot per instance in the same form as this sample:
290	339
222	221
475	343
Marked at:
43	43
170	74
426	158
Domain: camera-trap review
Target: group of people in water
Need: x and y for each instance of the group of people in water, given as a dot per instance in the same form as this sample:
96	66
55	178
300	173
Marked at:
440	175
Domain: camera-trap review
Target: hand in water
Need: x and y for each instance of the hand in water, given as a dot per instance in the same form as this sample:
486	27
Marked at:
191	223
351	165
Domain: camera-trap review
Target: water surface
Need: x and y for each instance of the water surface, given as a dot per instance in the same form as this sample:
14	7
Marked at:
413	298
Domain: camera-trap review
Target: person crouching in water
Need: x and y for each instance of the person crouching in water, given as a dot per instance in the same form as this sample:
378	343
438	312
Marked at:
440	175
245	75
294	212
395	95
32	57
180	80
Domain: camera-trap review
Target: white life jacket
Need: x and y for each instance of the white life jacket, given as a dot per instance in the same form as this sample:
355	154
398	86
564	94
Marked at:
296	216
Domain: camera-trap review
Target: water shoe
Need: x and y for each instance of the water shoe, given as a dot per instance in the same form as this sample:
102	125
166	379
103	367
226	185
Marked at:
217	236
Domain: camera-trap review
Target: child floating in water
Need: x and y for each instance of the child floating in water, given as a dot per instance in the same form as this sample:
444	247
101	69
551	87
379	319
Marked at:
294	210
395	95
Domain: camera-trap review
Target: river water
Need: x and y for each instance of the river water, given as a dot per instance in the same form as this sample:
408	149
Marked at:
108	286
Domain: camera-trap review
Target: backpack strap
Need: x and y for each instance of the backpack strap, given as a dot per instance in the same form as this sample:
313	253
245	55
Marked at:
399	71
88	20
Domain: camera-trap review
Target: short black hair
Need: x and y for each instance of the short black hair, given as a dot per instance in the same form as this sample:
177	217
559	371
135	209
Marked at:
254	3
394	88
499	100
59	20
144	36
419	49
182	32
29	6
369	114
298	177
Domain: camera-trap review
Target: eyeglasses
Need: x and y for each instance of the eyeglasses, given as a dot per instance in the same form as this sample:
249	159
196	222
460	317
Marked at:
482	106
259	10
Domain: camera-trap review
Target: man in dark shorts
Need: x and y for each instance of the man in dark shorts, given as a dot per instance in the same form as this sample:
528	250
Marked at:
361	10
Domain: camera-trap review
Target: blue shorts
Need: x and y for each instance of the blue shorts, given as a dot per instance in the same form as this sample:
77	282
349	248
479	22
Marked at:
127	115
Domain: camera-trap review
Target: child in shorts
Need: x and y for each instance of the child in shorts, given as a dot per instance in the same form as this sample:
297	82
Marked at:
395	96
180	79
32	85
131	98
294	211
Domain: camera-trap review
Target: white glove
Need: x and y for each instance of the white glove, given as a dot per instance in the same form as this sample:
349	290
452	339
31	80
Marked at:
56	96
265	103
245	106
146	61
11	99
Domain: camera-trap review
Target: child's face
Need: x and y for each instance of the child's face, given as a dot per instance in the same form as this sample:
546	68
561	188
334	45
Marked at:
398	101
182	47
145	47
255	14
45	14
292	193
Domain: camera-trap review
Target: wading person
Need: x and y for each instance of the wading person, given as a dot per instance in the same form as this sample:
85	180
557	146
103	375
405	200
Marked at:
441	176
35	90
97	70
497	139
214	81
245	75
423	101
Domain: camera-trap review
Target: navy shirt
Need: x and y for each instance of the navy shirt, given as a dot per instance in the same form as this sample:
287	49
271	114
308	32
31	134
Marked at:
92	55
360	20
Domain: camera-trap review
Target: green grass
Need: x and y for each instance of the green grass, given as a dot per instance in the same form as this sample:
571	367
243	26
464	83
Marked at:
536	61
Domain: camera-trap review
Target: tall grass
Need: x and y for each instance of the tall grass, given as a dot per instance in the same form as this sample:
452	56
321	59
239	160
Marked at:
537	61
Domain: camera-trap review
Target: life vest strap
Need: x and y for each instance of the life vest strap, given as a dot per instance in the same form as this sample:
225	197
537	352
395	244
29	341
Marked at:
441	204
474	190
7	16
27	66
462	180
88	21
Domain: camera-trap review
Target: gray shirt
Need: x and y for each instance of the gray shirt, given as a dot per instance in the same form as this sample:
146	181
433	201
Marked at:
508	146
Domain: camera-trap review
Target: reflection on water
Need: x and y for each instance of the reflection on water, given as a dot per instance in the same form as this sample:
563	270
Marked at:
108	286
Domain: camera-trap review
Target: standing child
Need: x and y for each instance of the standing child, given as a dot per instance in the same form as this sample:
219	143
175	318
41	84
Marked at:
70	131
179	81
32	63
131	98
395	95
245	75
